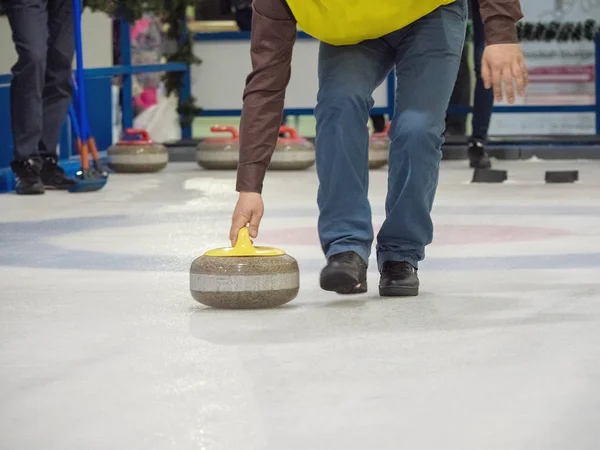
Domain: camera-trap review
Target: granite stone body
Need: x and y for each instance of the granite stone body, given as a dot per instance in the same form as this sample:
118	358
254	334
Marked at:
125	157
379	150
219	153
244	282
292	151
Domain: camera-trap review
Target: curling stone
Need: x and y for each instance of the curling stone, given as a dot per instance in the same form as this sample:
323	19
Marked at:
379	149
244	276
136	153
219	153
292	151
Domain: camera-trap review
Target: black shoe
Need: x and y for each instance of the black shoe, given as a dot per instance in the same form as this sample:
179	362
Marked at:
53	176
478	158
28	177
345	273
398	279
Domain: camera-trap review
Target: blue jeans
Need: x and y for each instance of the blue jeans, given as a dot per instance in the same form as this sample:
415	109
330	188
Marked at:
483	100
426	56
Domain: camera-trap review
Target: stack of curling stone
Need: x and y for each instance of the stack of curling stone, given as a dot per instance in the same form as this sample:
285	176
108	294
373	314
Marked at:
244	276
379	149
136	153
219	153
292	152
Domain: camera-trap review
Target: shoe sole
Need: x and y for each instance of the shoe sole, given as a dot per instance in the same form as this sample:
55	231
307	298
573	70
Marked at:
398	291
37	191
342	283
476	165
30	193
51	187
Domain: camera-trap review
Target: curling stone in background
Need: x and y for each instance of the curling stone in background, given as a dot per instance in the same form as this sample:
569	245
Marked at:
136	153
244	276
219	153
379	149
292	151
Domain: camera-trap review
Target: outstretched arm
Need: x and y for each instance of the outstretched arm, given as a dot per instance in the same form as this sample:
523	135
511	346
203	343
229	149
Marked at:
273	37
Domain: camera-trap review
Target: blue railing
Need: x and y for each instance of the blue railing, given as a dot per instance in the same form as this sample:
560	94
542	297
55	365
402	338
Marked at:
389	109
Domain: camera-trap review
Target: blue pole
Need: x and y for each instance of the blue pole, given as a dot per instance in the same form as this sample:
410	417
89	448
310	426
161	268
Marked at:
127	87
185	91
391	93
80	98
597	65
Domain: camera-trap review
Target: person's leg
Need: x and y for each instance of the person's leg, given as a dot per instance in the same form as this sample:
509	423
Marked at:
456	124
348	75
484	98
243	17
28	21
427	61
57	93
57	89
378	121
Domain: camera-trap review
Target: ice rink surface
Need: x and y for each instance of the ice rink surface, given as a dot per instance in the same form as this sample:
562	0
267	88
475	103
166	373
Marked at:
102	346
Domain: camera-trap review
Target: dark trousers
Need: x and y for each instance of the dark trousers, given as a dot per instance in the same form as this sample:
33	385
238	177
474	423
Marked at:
40	91
456	124
483	101
378	123
243	18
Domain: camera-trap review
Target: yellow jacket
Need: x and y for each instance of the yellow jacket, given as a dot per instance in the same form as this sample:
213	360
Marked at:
347	22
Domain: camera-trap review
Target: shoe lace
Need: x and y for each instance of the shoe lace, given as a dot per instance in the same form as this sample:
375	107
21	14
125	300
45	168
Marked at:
397	268
345	257
53	168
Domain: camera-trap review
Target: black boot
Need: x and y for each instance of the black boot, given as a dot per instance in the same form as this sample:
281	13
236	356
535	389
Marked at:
53	176
478	157
345	273
28	177
398	279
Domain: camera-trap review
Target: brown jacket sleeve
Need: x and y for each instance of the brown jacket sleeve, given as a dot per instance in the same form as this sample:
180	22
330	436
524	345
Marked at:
273	37
499	18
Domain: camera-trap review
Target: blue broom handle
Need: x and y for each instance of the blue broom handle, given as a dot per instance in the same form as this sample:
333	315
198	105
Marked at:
74	121
80	76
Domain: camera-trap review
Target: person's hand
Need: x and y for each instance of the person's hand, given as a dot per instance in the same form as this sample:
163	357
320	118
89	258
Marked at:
248	210
502	68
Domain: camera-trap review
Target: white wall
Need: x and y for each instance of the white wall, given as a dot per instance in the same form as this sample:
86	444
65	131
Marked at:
97	42
229	62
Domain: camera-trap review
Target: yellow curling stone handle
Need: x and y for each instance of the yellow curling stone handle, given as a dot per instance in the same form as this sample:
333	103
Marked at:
244	247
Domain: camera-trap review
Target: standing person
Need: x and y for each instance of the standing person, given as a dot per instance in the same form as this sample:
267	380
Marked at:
40	90
378	121
456	124
242	9
423	41
483	99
